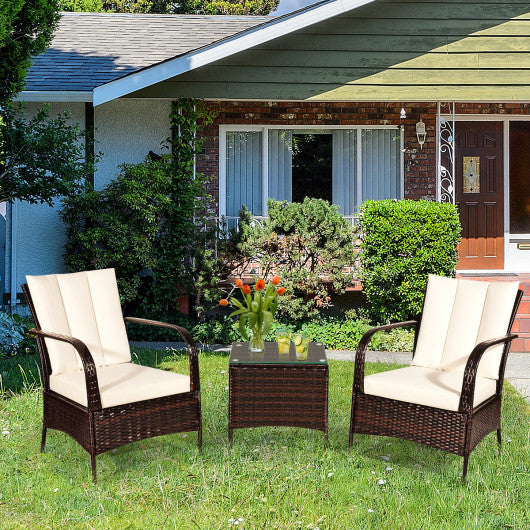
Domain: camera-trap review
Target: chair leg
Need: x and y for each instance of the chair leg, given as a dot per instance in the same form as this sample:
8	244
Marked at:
464	470
43	438
199	438
93	464
499	439
350	441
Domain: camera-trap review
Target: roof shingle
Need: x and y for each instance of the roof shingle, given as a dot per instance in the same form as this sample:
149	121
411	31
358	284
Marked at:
90	49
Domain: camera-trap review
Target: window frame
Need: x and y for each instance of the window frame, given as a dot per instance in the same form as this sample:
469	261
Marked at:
264	129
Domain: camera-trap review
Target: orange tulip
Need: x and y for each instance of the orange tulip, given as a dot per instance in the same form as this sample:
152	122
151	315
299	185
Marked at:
223	302
260	285
239	283
281	291
246	289
275	280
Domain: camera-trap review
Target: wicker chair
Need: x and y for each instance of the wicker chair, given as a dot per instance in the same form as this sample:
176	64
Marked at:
450	396
91	389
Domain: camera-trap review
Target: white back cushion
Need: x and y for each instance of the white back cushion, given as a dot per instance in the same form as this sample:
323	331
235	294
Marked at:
437	310
457	315
495	320
84	305
464	323
51	315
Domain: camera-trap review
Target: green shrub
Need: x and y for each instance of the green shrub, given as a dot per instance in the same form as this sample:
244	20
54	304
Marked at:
149	225
14	336
403	242
118	227
307	244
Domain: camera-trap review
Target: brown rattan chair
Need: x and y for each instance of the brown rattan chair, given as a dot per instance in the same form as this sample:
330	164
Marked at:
91	389
450	396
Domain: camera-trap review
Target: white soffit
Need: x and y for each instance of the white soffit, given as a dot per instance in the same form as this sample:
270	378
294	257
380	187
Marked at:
224	48
68	96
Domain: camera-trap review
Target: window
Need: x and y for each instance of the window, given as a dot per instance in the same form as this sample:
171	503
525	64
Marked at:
343	166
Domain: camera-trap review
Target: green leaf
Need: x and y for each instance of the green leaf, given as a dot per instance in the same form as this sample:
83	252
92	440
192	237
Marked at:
242	329
267	321
239	312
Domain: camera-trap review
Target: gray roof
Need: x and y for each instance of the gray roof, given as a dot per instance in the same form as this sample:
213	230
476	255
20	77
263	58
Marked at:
90	49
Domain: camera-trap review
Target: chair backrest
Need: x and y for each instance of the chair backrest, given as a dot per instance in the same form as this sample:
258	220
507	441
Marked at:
457	315
84	305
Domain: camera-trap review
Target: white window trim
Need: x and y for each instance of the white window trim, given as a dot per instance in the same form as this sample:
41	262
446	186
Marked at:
264	129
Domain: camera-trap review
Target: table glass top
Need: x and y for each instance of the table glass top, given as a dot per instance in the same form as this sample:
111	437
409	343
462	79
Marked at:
240	354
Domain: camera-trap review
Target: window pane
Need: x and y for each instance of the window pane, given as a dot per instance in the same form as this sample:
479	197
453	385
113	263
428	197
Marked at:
280	164
519	179
381	164
345	170
312	157
243	172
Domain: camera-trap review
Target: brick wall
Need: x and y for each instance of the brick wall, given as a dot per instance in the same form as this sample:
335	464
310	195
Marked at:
420	164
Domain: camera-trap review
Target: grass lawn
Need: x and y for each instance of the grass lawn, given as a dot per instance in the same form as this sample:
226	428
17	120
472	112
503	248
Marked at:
272	477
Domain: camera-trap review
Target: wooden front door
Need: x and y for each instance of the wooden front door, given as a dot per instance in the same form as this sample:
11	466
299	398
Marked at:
479	194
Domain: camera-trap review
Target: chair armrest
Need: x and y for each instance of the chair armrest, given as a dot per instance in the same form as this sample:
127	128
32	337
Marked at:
360	352
91	378
188	339
470	371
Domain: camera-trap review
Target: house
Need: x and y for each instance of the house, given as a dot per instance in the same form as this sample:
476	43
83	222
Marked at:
417	99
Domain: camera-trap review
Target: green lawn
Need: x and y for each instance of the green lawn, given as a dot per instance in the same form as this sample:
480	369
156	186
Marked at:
272	477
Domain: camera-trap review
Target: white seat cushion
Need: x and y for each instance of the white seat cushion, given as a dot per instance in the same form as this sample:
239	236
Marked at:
425	386
121	383
457	315
84	305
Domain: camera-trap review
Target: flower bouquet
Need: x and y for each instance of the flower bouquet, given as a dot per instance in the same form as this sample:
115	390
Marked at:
257	311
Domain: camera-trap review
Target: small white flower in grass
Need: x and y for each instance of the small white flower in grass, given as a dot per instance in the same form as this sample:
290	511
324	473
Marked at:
223	371
184	435
386	458
226	388
241	519
55	490
330	474
508	439
370	510
388	468
381	481
236	523
373	472
6	432
231	520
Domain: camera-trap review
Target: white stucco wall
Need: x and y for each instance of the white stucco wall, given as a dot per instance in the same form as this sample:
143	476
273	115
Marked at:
40	231
126	130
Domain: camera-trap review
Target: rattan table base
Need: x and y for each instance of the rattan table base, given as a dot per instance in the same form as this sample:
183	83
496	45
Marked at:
279	394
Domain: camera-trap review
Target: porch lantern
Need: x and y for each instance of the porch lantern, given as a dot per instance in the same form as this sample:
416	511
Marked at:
420	133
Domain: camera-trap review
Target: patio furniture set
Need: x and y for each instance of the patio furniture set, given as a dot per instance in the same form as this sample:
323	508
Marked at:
448	398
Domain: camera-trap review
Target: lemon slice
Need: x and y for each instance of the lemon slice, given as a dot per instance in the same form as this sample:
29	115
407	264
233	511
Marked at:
297	339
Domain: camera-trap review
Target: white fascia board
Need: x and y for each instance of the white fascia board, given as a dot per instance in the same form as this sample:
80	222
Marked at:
52	96
224	48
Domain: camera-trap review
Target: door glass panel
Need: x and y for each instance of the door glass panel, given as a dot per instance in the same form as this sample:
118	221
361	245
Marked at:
519	177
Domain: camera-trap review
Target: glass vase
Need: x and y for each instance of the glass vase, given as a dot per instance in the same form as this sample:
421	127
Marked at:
256	341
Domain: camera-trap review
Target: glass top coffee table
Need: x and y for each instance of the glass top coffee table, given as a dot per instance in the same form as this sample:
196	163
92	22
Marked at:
268	389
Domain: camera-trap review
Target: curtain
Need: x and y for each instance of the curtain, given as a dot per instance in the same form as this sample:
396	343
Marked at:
244	172
280	165
380	164
345	170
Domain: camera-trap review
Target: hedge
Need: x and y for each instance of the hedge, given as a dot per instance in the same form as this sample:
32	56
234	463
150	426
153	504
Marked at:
402	242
